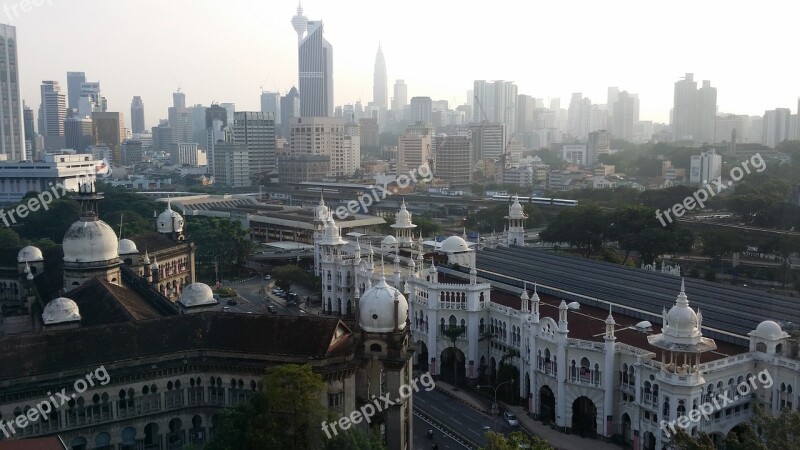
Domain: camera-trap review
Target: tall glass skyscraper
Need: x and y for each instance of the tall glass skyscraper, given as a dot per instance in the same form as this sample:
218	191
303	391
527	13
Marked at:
316	73
12	135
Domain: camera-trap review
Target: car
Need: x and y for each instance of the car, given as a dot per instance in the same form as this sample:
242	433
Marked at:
225	308
272	309
301	311
232	302
267	277
510	419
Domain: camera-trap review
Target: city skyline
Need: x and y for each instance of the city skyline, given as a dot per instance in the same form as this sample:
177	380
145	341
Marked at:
641	65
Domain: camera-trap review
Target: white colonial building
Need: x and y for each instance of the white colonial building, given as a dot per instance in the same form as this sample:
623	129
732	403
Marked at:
603	373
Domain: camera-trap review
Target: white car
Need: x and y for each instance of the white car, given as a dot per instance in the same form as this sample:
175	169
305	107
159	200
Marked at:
510	419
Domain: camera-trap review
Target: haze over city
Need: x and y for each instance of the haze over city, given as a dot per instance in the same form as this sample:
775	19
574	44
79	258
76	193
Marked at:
226	53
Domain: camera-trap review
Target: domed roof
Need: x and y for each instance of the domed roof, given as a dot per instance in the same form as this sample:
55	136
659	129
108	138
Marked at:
403	218
30	254
454	244
389	240
515	211
321	212
61	310
682	321
197	294
770	330
127	247
376	308
169	221
90	241
331	234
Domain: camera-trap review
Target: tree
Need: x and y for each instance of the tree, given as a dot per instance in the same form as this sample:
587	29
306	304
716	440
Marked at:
286	415
718	243
515	441
354	439
493	218
453	332
9	238
286	276
584	227
220	241
682	441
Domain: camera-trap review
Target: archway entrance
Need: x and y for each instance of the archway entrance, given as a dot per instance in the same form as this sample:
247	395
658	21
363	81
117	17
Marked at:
584	417
626	429
547	405
453	368
422	357
649	441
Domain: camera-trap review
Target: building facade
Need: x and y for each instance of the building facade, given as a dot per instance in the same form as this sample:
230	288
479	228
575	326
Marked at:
12	135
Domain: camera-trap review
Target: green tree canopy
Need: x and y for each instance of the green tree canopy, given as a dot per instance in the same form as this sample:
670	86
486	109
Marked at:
584	227
514	441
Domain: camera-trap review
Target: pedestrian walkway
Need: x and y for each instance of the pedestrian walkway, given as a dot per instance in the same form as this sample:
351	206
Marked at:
557	439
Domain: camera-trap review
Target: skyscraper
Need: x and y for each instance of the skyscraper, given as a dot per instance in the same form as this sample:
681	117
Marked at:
625	115
400	99
496	103
74	82
380	88
684	113
180	118
52	113
316	71
30	132
579	116
290	108
256	131
776	126
706	112
12	137
421	109
271	103
108	128
137	115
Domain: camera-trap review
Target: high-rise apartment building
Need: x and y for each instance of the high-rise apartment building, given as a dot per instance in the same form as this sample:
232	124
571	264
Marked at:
488	140
496	102
599	143
163	137
454	160
370	133
256	131
74	82
323	136
684	111
180	119
108	128
526	107
380	83
29	132
290	108
52	113
315	69
706	112
776	126
132	151
420	109
579	116
137	115
413	150
625	116
705	167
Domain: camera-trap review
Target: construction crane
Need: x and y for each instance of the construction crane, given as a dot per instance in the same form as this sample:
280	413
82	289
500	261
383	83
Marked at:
504	151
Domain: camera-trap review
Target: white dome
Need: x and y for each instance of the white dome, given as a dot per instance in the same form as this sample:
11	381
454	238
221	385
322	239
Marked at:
61	310
29	254
454	244
403	218
127	247
321	212
770	330
376	308
169	221
681	320
389	240
91	241
331	234
515	211
197	294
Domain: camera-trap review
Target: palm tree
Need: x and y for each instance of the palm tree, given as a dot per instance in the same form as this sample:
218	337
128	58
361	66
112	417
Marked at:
453	332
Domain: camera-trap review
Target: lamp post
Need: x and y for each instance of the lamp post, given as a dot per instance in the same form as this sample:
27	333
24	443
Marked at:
495	409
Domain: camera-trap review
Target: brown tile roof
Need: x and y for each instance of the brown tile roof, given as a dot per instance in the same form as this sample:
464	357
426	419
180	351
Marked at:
292	336
101	302
153	242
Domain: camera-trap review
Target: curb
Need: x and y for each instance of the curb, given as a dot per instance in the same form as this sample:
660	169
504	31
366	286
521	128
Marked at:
448	393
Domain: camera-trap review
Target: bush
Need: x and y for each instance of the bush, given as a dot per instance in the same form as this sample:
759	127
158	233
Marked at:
225	292
710	275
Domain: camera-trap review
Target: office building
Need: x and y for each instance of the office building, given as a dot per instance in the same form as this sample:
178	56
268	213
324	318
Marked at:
526	107
20	177
91	99
198	114
78	133
290	108
420	110
108	128
231	164
380	83
137	115
684	112
74	82
303	168
705	167
625	116
184	154
489	140
370	133
495	102
256	131
163	137
400	99
579	116
52	113
413	150
271	103
132	151
323	136
29	133
454	160
706	112
315	68
599	143
180	119
576	154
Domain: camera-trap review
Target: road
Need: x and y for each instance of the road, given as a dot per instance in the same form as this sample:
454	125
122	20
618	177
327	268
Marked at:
457	416
250	300
421	440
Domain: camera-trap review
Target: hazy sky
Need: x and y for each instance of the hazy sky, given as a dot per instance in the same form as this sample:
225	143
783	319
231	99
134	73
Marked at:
224	51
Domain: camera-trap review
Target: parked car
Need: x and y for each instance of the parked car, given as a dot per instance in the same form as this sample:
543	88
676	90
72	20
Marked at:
510	419
232	302
272	309
267	277
225	308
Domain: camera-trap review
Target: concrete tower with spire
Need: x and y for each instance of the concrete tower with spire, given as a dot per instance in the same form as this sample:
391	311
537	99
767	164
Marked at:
380	87
300	23
516	223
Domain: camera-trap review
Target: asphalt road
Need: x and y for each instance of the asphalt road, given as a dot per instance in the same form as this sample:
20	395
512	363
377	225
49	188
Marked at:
422	441
457	416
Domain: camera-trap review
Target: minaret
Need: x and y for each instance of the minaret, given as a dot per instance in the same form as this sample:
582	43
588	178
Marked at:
473	276
148	275
524	300
535	305
516	223
561	365
608	367
397	278
403	227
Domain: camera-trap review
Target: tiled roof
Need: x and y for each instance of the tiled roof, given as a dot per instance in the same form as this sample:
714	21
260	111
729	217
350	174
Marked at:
153	242
292	336
46	443
101	302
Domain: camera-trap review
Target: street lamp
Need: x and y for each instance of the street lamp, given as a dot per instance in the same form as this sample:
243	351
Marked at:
495	409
